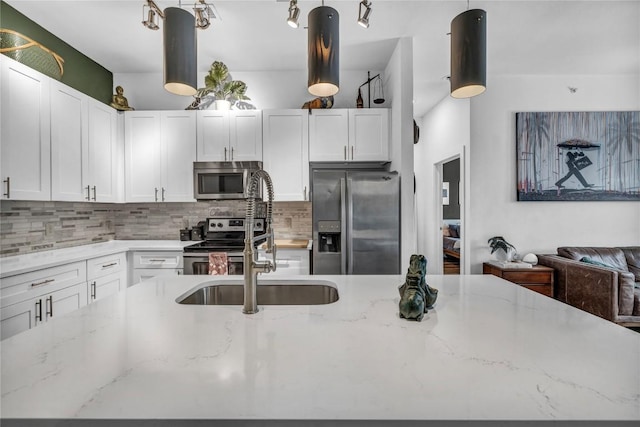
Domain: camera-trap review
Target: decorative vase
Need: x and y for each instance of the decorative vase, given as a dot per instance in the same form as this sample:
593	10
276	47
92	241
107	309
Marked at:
507	256
222	104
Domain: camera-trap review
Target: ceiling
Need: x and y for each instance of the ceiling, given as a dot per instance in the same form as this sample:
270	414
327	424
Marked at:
523	37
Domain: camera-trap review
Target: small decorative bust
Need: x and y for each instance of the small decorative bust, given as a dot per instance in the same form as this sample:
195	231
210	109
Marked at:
118	101
416	296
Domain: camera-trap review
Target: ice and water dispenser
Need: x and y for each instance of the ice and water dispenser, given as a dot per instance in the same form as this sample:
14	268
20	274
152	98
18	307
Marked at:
329	236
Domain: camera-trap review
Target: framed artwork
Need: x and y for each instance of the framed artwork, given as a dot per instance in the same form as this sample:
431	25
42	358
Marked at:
572	156
445	193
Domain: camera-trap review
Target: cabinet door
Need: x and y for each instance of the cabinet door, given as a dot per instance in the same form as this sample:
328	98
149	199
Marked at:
178	155
245	134
16	318
142	274
142	161
213	136
329	135
107	285
286	152
369	134
64	301
25	132
103	152
157	259
69	144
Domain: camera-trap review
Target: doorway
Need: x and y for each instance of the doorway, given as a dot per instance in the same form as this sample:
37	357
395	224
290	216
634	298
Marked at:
450	202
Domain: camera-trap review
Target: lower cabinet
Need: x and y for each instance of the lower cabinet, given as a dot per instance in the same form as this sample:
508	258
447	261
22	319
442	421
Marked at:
288	261
149	264
30	299
106	275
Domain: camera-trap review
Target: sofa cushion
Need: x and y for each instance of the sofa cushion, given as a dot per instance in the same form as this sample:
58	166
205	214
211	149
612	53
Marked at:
610	256
594	262
632	254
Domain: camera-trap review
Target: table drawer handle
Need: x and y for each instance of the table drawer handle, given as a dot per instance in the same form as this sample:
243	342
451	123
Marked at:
44	282
109	265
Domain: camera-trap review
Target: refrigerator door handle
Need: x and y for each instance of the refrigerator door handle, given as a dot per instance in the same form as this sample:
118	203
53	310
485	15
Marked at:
343	222
350	225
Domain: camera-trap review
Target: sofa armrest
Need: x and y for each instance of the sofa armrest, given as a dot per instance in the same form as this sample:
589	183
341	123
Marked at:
605	292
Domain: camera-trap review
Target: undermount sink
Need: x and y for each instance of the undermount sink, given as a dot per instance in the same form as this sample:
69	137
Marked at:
272	292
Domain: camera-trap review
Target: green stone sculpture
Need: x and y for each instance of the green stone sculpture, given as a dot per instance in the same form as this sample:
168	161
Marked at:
416	296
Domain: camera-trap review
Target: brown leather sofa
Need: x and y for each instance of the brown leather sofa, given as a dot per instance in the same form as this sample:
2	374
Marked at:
611	290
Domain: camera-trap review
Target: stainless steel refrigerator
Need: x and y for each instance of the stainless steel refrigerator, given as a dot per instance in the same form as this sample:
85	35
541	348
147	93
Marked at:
356	221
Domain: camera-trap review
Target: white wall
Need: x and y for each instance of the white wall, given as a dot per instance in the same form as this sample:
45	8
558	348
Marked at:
267	89
399	85
444	132
539	227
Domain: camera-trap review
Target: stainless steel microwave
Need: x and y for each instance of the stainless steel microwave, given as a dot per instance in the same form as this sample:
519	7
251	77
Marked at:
224	180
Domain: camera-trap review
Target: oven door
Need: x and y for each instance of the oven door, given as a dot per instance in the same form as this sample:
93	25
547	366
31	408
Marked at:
197	263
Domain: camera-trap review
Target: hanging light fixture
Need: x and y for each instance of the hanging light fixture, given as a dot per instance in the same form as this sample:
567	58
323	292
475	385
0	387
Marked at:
469	54
363	18
294	12
151	12
324	51
180	61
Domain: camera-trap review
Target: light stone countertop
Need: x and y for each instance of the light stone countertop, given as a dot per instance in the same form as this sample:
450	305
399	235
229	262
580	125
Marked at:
489	350
25	263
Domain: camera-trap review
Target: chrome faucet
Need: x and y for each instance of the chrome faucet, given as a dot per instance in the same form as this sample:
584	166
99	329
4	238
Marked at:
251	264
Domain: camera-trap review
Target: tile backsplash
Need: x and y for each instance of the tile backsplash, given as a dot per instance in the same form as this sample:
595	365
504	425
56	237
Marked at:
29	226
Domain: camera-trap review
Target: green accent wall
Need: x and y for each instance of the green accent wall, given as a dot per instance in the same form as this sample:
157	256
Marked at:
80	71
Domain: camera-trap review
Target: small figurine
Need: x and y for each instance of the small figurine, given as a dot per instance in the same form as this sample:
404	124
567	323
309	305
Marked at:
416	296
321	102
118	101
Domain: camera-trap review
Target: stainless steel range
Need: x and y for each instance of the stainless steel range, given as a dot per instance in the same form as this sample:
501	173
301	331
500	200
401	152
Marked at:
221	235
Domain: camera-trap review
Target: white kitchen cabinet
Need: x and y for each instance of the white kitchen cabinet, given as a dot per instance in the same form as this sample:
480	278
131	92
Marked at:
106	275
25	132
104	158
286	152
69	144
29	299
234	135
148	264
160	151
349	135
328	135
288	261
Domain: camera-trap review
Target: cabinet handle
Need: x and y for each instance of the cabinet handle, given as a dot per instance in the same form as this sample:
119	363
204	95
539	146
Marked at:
163	194
44	282
93	290
88	195
8	181
94	193
157	260
352	152
231	153
156	196
225	154
50	306
305	193
39	310
110	264
345	152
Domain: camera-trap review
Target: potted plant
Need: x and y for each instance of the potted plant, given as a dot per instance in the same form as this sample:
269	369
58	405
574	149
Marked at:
498	242
225	90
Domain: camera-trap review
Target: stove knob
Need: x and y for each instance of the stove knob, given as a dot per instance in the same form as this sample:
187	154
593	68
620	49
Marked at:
220	224
258	224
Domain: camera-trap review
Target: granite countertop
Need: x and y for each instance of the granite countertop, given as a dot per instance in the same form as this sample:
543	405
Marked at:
25	263
489	350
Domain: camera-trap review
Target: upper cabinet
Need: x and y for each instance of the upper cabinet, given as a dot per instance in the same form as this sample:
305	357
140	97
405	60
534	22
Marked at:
105	153
349	135
160	148
286	153
234	135
25	132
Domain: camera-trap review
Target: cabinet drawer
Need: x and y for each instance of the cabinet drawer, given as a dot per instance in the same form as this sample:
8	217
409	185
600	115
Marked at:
42	281
527	276
104	265
157	260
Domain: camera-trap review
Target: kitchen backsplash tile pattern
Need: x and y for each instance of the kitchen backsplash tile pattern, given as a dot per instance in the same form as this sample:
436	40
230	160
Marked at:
38	226
28	226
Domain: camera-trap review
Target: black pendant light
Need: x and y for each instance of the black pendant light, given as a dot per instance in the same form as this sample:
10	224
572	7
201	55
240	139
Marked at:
324	51
469	54
180	60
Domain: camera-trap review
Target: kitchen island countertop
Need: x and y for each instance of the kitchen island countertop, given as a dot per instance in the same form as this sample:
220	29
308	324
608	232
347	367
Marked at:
488	350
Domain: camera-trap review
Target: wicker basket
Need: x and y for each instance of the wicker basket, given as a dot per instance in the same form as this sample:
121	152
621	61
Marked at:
31	53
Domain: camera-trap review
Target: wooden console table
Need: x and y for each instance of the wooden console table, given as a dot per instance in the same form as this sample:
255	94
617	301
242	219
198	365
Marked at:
538	278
